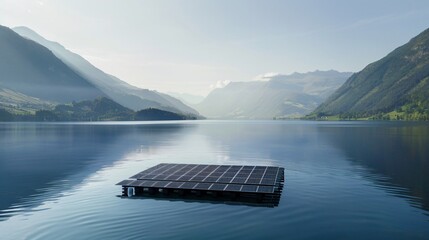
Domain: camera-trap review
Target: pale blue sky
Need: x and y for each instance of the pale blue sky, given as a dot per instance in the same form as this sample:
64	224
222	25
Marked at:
186	46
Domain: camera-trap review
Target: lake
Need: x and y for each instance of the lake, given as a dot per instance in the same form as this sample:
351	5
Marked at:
343	180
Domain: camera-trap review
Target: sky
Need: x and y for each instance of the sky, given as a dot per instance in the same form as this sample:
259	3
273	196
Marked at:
193	46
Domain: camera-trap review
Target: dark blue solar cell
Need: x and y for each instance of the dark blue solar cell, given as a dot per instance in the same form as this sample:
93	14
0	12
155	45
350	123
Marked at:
188	185
172	177
185	178
236	167
210	179
249	188
142	183
203	186
223	168
224	180
253	181
217	187
265	189
233	187
160	184
149	176
267	182
238	180
215	174
255	175
242	175
174	184
270	176
228	175
148	183
198	178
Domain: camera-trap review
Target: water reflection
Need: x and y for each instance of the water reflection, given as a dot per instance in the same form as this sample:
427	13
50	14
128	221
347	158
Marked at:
42	160
334	182
396	155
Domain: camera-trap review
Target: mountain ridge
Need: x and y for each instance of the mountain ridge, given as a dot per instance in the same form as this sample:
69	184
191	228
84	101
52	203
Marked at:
283	96
33	70
396	84
115	88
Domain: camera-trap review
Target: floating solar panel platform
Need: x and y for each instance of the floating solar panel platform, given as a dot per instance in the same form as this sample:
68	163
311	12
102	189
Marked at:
262	184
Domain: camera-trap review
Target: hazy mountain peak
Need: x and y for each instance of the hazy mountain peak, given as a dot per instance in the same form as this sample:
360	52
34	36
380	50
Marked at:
281	96
118	90
32	35
30	68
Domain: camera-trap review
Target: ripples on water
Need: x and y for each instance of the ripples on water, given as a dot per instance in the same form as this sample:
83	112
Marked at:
353	180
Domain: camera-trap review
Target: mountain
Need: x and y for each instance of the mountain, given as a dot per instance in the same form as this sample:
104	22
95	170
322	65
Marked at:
395	86
99	109
16	102
281	96
32	70
116	89
189	99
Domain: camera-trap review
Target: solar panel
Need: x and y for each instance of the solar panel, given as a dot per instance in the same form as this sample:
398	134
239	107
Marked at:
236	178
210	173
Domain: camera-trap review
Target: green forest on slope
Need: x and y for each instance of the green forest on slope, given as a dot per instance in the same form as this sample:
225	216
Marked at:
394	88
100	109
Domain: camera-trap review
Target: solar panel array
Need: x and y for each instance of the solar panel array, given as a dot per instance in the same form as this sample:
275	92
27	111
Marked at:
252	179
211	173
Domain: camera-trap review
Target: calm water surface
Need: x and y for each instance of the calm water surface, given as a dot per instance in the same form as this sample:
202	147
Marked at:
344	180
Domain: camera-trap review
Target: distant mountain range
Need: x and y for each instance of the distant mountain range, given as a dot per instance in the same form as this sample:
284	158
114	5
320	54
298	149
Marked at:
189	99
282	96
51	72
41	78
394	87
